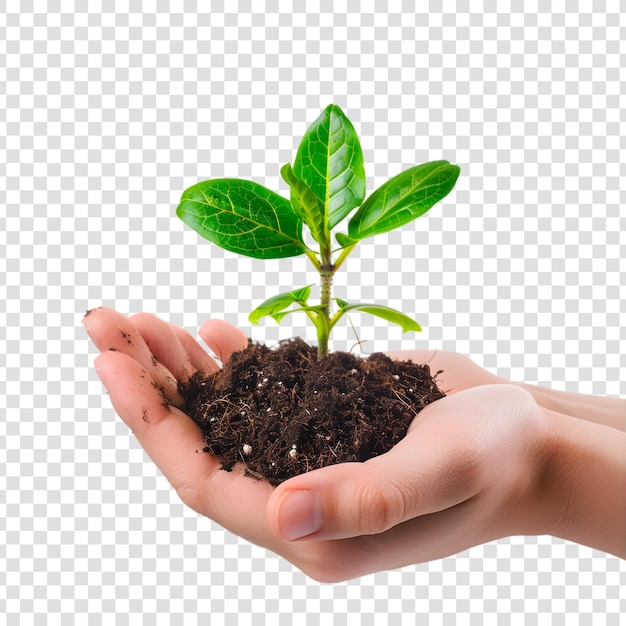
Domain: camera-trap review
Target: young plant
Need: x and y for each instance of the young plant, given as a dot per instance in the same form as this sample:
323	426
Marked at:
327	183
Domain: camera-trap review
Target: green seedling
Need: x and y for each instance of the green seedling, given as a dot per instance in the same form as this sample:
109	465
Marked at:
327	184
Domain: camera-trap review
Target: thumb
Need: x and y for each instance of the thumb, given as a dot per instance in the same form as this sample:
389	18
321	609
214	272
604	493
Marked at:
222	338
438	465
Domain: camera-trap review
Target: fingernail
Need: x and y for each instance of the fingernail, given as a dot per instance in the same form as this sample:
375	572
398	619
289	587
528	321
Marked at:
300	514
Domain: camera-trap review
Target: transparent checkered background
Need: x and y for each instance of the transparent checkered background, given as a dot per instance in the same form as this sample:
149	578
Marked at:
108	112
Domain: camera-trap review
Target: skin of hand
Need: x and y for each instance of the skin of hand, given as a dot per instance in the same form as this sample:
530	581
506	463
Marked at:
488	461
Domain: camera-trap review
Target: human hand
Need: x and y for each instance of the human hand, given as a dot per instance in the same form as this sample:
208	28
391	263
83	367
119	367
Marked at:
466	473
459	372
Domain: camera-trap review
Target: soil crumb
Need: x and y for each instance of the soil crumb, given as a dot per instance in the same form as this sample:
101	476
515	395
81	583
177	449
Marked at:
281	412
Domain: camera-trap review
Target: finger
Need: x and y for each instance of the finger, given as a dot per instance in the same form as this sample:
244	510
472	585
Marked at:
167	435
350	500
223	338
164	344
175	444
455	372
419	540
110	330
438	465
198	357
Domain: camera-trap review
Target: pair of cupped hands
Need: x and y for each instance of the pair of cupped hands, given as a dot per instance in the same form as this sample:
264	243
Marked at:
474	466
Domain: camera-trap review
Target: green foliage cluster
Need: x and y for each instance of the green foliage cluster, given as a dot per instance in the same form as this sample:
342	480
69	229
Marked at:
327	185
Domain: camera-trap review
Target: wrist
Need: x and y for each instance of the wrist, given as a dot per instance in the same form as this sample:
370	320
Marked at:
583	483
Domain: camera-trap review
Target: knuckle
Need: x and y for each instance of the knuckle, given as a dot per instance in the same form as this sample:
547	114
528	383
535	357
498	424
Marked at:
192	489
380	506
464	475
191	497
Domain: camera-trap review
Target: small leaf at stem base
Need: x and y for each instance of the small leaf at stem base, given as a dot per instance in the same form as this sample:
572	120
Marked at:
386	313
275	304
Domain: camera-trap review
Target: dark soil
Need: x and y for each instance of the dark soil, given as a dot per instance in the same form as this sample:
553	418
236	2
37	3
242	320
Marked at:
281	412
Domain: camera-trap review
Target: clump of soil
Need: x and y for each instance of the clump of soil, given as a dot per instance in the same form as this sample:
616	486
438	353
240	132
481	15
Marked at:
281	412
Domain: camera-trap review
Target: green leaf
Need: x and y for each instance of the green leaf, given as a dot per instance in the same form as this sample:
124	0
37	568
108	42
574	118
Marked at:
243	217
277	317
305	203
391	315
344	241
330	162
403	198
273	305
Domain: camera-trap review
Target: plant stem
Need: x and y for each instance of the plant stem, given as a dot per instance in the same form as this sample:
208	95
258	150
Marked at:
326	271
